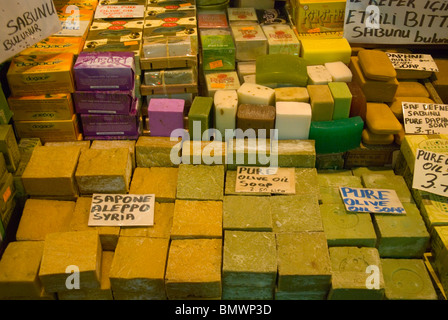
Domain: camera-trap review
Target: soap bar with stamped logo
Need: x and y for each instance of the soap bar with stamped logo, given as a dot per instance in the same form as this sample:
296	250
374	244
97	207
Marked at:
281	39
221	81
250	41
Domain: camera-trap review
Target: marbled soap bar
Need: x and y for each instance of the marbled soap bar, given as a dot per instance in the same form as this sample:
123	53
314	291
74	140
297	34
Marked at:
318	74
348	265
358	107
204	152
225	107
295	153
250	93
376	65
344	228
247	213
250	41
397	105
160	181
139	266
165	116
41	217
342	99
296	213
249	259
407	279
92	176
63	249
194	269
157	152
197	219
281	70
260	118
293	94
381	120
382	181
339	71
370	138
303	262
321	51
200	117
200	182
402	236
19	268
411	89
293	120
322	102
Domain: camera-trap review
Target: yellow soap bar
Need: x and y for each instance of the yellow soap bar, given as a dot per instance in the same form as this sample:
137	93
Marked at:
64	252
376	65
160	181
108	144
294	94
381	120
157	152
320	51
41	217
411	89
399	137
19	269
397	106
369	137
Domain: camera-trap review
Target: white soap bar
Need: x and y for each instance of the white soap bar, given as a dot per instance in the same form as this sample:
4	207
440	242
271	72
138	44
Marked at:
251	93
246	68
226	106
293	120
318	74
252	78
339	71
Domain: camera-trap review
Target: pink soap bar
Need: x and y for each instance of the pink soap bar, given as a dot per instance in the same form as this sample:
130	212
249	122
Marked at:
165	115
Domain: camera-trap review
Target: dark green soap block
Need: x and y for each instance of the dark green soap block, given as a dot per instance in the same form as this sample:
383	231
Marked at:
200	113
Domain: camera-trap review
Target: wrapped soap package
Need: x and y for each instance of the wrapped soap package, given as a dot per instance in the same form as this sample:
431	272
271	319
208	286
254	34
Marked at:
281	39
165	47
108	102
44	107
250	41
218	50
212	20
56	45
170	76
180	28
272	16
116	29
242	16
169	6
221	81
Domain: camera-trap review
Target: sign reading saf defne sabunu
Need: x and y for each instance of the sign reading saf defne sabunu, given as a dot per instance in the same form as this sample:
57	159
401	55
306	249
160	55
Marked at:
23	23
122	210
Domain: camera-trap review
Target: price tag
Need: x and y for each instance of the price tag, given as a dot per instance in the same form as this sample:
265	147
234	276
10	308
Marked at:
431	172
422	118
371	200
420	62
265	180
216	64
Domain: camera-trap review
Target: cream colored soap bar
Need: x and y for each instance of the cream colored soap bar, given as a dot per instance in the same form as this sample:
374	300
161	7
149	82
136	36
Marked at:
318	74
94	176
293	94
51	171
19	269
157	152
75	248
41	217
161	182
110	144
381	120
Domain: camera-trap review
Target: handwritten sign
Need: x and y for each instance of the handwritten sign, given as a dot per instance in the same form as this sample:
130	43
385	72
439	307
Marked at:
119	11
122	210
422	118
396	21
24	23
408	61
371	200
265	180
431	172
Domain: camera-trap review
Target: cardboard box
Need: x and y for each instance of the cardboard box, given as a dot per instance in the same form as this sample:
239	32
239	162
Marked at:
53	45
105	102
5	110
218	50
116	29
9	147
53	130
44	107
41	74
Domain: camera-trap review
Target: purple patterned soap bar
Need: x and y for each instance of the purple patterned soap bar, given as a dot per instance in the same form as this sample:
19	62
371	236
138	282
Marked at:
104	71
165	115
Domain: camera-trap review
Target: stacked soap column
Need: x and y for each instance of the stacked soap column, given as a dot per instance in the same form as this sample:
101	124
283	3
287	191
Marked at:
76	17
105	98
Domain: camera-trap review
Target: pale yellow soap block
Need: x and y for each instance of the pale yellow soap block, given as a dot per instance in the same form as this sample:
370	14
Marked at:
51	171
292	94
85	144
109	144
41	217
381	120
19	269
157	152
139	266
67	252
160	181
194	269
104	171
80	220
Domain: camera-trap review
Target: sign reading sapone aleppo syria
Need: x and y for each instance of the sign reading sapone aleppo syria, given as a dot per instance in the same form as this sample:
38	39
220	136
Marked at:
122	210
420	22
23	23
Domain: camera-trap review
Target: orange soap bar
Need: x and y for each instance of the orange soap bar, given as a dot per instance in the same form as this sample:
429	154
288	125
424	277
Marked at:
381	120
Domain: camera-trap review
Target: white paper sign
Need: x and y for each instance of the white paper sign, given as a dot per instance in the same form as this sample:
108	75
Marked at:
408	61
24	23
422	118
122	210
371	200
431	172
119	11
396	22
265	180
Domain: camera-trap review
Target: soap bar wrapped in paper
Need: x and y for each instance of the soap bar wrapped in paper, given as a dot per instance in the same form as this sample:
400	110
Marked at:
170	76
242	15
218	50
161	47
281	39
250	41
221	81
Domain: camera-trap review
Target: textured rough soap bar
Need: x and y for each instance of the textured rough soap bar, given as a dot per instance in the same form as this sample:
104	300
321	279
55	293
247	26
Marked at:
376	65
322	102
197	219
204	152
251	93
381	120
307	182
225	108
252	152
321	51
329	187
110	144
293	94
200	182
247	213
342	99
318	74
230	184
260	118
194	269
41	217
157	152
161	182
64	249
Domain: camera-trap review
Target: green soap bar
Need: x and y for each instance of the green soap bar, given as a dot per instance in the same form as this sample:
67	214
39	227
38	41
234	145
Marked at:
335	172
337	135
296	153
342	99
200	182
247	213
281	69
343	228
230	186
299	295
218	50
200	113
248	152
303	262
407	279
247	293
385	181
349	276
249	259
402	236
434	209
296	213
322	102
306	181
359	171
329	186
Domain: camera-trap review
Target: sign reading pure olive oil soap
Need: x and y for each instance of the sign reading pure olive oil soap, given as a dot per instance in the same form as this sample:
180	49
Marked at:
396	21
122	210
24	23
431	172
265	180
382	201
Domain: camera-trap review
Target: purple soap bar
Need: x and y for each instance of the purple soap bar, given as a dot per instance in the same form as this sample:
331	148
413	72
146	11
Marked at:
104	71
105	102
165	115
